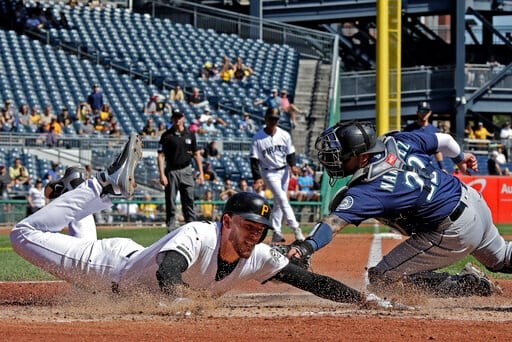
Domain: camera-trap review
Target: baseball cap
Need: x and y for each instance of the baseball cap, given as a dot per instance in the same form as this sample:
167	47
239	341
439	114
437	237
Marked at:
423	107
274	90
177	113
272	113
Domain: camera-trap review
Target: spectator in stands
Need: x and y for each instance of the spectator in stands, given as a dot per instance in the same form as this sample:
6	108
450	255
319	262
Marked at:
207	115
500	158
468	131
148	208
18	173
260	188
506	138
211	150
23	114
151	106
228	191
482	133
55	126
208	128
209	173
176	94
195	127
86	127
52	138
5	183
241	71
64	118
99	127
47	116
9	108
493	167
95	4
129	210
272	101
83	111
293	186
33	22
35	197
306	184
149	128
106	113
289	108
243	186
246	124
208	71
6	120
207	209
34	119
95	99
52	173
423	113
114	130
73	3
227	70
160	129
196	99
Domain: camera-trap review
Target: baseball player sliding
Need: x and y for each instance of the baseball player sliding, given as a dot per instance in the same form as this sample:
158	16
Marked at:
202	255
272	156
394	182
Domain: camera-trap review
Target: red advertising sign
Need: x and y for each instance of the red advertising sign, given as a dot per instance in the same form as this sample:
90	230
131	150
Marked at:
497	191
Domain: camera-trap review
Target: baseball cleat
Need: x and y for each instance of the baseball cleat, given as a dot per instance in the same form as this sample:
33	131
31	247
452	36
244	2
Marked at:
73	177
277	237
484	286
119	179
298	234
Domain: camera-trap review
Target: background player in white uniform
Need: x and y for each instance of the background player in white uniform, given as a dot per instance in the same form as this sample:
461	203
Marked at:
272	156
203	255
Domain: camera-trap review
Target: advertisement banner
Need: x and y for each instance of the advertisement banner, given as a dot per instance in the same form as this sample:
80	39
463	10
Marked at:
497	191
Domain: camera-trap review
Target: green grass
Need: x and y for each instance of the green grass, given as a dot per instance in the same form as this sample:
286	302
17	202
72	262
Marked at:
14	268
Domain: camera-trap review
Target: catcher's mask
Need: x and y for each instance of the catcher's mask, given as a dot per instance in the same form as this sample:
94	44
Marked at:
252	207
343	141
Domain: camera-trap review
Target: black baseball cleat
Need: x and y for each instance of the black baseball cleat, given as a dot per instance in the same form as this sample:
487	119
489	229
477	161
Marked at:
73	177
119	179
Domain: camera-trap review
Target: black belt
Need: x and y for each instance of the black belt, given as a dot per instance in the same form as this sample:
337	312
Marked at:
454	216
279	168
459	209
174	168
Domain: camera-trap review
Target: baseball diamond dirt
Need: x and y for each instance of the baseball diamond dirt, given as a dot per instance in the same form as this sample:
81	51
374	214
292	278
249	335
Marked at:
55	311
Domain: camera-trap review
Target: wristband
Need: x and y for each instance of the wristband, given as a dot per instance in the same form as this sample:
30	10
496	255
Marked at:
459	158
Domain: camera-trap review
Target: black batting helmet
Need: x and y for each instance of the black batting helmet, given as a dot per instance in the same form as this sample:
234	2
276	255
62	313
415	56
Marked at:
250	206
341	142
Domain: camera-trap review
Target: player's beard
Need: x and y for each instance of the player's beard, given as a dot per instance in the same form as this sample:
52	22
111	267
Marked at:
242	246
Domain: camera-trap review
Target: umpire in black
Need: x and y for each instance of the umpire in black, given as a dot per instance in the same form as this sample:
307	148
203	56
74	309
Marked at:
176	148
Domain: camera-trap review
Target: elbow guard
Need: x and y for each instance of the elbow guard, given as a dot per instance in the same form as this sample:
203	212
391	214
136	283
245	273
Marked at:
320	236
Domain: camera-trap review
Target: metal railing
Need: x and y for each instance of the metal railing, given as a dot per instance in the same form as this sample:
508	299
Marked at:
309	43
14	210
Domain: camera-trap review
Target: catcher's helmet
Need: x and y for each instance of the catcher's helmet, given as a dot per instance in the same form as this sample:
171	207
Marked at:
341	142
250	206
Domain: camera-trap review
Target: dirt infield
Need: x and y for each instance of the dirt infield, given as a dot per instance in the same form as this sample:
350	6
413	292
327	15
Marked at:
54	311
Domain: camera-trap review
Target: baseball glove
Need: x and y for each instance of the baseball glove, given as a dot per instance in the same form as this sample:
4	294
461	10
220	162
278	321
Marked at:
303	262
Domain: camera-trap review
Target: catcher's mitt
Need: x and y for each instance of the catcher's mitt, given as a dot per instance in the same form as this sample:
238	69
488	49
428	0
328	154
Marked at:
303	262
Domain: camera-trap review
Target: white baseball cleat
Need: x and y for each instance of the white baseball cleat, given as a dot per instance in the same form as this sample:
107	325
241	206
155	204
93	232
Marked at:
119	179
298	234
